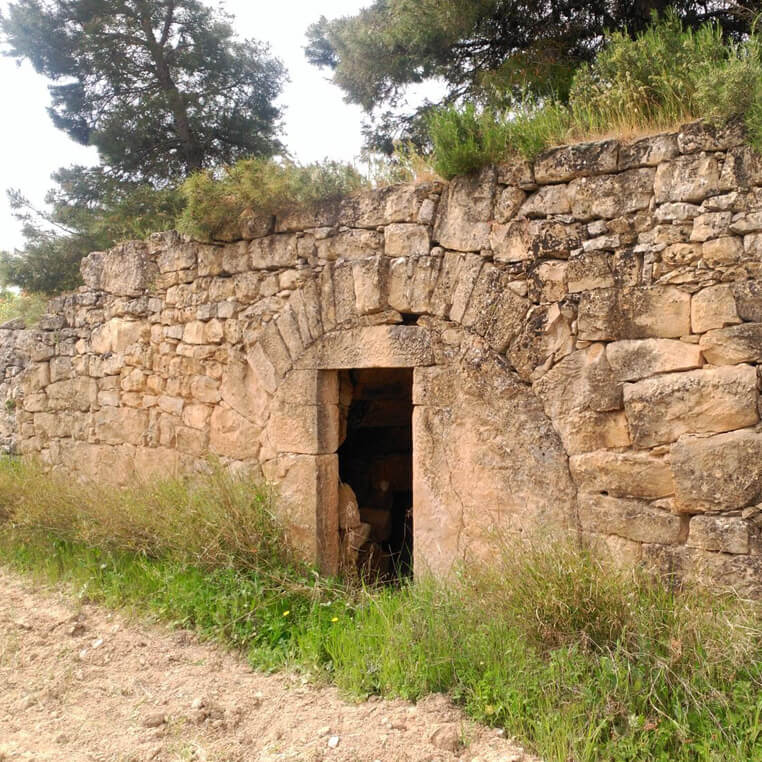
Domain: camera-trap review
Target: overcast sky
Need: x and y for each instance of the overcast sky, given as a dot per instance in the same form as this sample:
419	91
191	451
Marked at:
318	123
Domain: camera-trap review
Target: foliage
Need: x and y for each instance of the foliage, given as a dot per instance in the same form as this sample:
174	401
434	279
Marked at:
666	75
487	52
160	87
90	210
215	200
577	659
29	307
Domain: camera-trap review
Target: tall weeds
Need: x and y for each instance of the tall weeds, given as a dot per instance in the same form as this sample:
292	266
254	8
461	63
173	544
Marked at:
577	659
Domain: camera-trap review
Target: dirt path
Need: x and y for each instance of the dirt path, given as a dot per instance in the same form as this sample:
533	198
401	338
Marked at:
80	683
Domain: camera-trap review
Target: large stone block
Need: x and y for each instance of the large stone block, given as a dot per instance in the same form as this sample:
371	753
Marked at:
714	307
406	240
304	429
663	408
687	178
622	474
464	213
632	360
632	519
722	534
233	436
634	313
730	346
117	335
382	346
610	196
558	165
128	269
717	473
522	239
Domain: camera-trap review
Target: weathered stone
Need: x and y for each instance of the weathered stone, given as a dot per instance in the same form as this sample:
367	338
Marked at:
648	152
748	300
622	474
588	272
232	436
534	239
705	136
117	335
463	218
349	511
610	196
545	338
687	178
351	244
551	199
632	519
710	225
559	165
725	534
306	429
730	346
508	203
663	408
406	240
632	360
713	307
391	346
125	270
717	473
519	172
115	425
633	313
723	251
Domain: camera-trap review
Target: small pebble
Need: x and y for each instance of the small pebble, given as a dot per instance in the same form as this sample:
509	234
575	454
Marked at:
333	742
155	720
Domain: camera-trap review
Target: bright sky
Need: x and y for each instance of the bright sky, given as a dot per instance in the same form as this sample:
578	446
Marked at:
318	123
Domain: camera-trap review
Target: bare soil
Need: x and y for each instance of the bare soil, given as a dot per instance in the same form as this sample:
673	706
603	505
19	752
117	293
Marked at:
78	682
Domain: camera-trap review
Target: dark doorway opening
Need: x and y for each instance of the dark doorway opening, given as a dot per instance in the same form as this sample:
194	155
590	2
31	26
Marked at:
376	461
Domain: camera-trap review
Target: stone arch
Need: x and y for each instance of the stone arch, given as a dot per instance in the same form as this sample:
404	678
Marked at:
452	317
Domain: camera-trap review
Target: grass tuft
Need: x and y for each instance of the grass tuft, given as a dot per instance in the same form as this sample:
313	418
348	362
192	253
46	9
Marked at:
578	660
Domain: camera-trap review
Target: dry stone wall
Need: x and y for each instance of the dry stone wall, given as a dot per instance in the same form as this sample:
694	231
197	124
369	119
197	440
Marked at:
585	334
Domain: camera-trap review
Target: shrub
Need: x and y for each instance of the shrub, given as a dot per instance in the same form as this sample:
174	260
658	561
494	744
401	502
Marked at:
29	307
215	200
663	77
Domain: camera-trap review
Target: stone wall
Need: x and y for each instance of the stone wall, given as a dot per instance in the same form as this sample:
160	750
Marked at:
584	334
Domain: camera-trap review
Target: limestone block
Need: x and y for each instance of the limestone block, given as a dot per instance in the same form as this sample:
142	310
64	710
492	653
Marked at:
713	307
232	436
550	277
273	251
462	221
194	332
717	473
663	408
742	168
705	136
101	463
171	405
682	254
632	519
115	425
589	271
349	511
730	346
406	240
632	360
128	269
687	178
382	346
305	429
748	300
677	211
177	257
508	203
307	501
351	244
245	390
611	196
117	335
546	336
622	474
468	274
710	225
72	394
196	416
344	293
723	534
288	327
524	239
370	277
559	165
317	215
191	441
551	199
518	172
634	313
727	250
205	389
648	152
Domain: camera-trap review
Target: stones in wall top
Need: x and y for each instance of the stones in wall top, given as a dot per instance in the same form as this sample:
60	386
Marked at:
619	282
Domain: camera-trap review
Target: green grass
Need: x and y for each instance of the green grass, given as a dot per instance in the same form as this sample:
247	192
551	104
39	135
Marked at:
579	661
665	76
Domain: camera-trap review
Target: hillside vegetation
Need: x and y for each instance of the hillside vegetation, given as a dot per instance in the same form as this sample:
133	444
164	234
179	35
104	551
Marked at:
577	659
